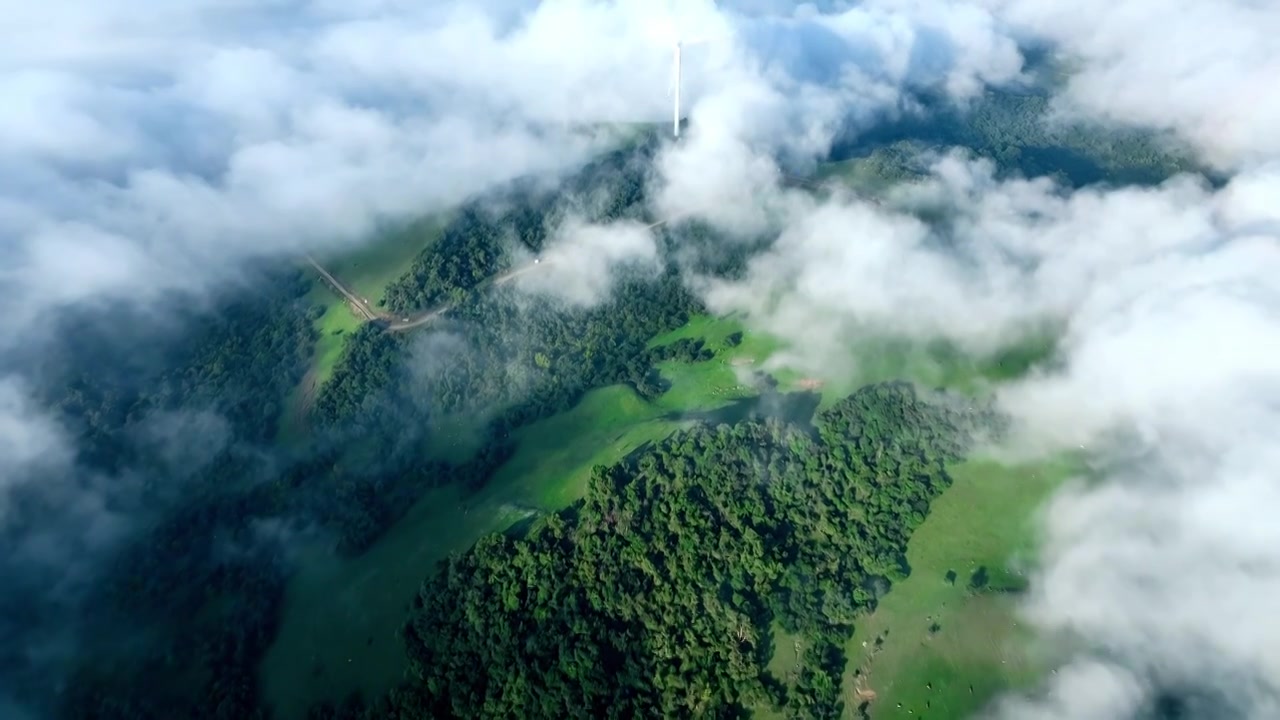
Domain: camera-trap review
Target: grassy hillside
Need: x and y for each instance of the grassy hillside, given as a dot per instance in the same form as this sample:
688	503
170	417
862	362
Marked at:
367	271
341	617
946	640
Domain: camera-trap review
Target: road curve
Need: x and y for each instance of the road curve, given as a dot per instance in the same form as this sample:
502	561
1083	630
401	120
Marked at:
416	320
422	318
342	290
427	316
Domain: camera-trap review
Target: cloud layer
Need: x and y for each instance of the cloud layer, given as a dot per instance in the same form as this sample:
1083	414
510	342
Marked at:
581	261
1168	367
1199	69
1170	322
151	148
153	151
155	148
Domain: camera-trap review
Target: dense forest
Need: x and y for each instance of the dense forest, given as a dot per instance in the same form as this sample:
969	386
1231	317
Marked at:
173	430
184	606
690	551
1016	130
657	595
482	240
470	250
103	380
500	362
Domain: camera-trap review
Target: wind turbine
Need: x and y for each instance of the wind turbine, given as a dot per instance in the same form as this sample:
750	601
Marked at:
668	32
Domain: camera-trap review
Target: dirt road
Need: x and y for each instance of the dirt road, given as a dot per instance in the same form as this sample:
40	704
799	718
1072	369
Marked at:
361	307
416	320
402	324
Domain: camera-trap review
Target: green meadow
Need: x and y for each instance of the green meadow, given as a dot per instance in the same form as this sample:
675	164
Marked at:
367	272
332	330
944	641
341	617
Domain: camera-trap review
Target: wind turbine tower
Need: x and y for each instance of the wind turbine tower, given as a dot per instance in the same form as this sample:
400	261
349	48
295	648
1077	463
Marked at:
676	70
679	47
666	30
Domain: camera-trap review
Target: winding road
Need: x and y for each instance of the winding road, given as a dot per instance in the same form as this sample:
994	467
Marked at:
416	320
424	317
361	308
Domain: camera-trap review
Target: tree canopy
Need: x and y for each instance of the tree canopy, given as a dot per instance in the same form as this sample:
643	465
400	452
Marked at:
656	596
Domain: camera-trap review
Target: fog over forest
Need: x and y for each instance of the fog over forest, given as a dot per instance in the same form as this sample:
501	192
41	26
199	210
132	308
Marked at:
162	160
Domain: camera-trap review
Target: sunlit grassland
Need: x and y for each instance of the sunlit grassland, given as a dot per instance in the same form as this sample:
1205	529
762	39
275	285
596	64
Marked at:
332	330
943	645
341	616
339	627
870	359
370	270
367	271
716	382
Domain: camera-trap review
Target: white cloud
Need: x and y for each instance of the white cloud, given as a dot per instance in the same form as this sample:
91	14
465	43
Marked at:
1202	69
1014	253
1170	349
1086	689
581	262
1170	355
799	79
152	147
29	439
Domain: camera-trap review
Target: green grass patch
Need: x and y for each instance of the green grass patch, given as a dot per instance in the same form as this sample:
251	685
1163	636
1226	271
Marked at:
939	364
555	457
339	628
332	330
720	380
788	651
705	327
874	358
367	272
334	327
784	665
370	270
341	617
945	640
